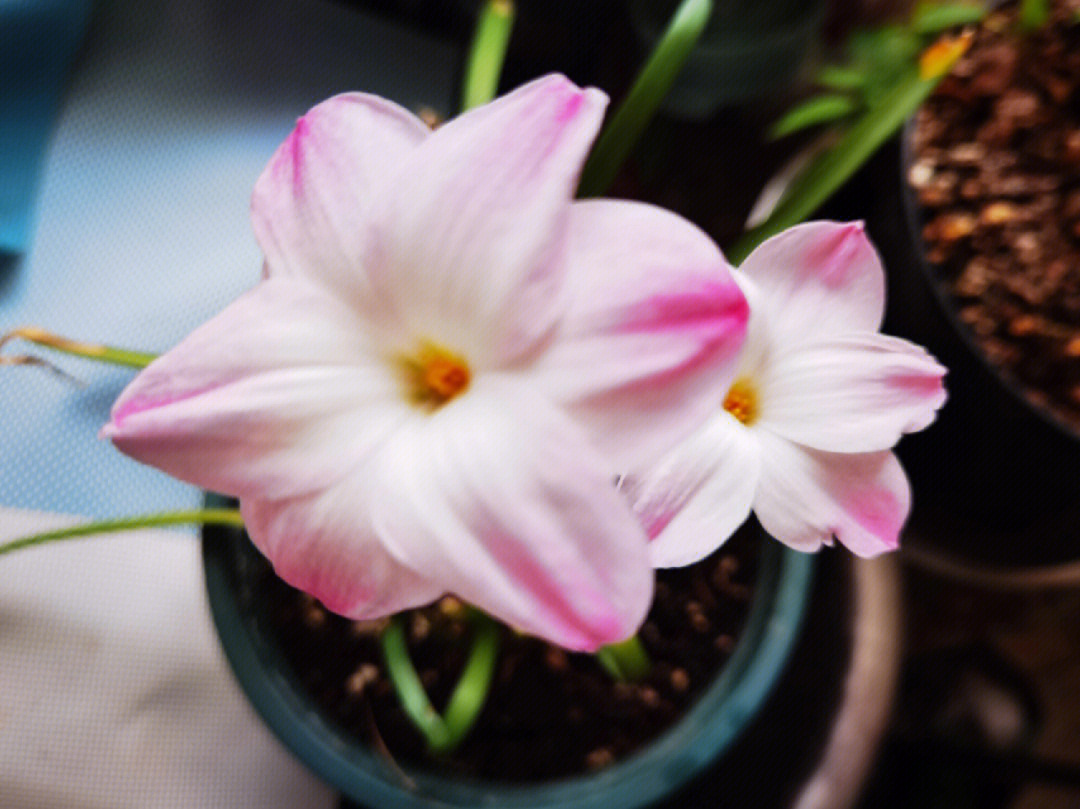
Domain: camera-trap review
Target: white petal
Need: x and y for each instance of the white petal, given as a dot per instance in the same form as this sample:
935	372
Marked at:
652	334
311	207
498	497
819	279
694	499
807	497
322	543
278	395
855	393
473	235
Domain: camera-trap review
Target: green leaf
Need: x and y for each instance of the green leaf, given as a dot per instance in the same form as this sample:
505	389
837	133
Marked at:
626	660
885	54
933	18
651	85
443	733
211	516
820	109
887	47
65	345
1033	14
823	176
840	77
487	53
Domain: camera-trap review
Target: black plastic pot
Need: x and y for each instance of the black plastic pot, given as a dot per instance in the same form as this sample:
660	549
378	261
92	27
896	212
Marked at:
996	478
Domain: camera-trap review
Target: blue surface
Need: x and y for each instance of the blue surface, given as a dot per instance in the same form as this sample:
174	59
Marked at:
142	217
38	39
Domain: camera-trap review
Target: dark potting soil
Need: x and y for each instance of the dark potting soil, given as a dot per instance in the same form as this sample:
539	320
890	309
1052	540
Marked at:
996	169
550	713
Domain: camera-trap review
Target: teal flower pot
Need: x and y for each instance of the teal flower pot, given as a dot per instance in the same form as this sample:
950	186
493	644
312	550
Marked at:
723	711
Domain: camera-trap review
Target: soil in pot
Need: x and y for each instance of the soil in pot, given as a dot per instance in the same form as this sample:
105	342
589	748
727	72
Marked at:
996	170
550	713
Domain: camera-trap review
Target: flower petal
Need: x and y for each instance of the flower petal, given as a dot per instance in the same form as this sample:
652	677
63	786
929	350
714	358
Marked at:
807	497
855	393
694	499
311	205
278	395
320	543
498	497
652	334
473	237
819	279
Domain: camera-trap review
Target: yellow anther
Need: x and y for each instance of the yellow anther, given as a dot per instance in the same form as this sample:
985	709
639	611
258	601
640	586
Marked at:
742	401
436	375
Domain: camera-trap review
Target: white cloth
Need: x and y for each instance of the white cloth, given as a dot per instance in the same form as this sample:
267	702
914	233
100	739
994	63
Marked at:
114	692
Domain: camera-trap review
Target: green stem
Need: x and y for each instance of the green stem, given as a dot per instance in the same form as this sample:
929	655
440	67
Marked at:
651	85
625	660
487	53
210	516
90	351
443	734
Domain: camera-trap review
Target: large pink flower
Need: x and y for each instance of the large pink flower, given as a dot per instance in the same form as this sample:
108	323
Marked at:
447	363
819	399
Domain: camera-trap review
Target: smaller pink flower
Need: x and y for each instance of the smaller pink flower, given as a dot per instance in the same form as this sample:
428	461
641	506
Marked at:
804	435
446	364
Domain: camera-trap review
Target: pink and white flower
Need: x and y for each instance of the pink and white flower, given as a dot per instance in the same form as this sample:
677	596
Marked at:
804	435
446	364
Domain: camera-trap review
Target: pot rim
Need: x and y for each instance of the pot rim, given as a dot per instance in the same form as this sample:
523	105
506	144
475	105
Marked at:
913	222
709	728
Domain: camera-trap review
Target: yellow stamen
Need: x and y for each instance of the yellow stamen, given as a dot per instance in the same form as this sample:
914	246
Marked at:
436	375
742	401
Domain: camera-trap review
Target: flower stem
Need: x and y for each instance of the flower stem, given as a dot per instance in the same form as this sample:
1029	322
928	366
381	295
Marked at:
487	53
443	733
209	516
641	102
90	351
625	660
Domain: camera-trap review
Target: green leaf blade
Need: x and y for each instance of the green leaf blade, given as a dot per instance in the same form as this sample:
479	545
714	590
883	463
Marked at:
934	18
823	176
640	104
841	77
821	109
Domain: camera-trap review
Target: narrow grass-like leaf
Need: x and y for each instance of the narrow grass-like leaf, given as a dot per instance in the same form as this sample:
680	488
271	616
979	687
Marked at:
443	733
410	691
1034	14
472	689
822	109
212	516
841	77
933	18
89	351
626	660
487	53
823	176
650	87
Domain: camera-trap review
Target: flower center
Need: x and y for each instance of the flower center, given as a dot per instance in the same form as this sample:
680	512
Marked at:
742	401
435	375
